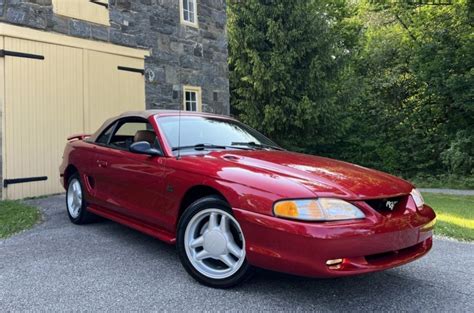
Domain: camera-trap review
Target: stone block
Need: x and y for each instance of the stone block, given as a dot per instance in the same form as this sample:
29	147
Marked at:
120	38
79	28
171	74
59	24
100	32
16	15
42	2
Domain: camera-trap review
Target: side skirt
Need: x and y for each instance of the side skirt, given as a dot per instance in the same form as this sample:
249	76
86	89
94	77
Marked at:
132	223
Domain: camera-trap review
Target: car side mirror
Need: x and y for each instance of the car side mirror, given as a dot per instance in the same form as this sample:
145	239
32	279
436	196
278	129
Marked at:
144	147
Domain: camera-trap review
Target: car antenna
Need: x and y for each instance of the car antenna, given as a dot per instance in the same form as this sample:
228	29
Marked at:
178	156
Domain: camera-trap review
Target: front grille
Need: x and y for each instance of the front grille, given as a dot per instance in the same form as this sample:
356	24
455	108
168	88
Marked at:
386	205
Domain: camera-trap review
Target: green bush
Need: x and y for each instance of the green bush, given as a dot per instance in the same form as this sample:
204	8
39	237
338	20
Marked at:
459	157
443	181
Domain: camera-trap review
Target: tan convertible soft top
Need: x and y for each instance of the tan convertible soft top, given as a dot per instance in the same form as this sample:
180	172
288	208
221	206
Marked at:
145	114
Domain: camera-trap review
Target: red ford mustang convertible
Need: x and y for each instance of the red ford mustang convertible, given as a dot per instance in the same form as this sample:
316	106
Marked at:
232	200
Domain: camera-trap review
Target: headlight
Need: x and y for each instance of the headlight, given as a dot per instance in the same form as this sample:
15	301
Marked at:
417	197
321	209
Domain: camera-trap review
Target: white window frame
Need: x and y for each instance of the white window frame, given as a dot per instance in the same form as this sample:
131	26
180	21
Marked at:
198	92
181	14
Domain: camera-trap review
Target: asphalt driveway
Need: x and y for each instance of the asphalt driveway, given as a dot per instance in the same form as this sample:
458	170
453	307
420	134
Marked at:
58	266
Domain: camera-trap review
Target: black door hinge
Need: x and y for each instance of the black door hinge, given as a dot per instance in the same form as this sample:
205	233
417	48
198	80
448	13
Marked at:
131	69
105	5
4	53
12	181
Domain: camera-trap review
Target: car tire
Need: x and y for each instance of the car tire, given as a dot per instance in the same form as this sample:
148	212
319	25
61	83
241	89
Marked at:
212	251
76	205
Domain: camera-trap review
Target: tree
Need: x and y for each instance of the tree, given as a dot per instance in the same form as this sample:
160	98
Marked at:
383	84
287	61
416	91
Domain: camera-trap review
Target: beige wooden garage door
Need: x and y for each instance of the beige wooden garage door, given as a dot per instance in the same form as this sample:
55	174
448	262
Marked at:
111	91
52	93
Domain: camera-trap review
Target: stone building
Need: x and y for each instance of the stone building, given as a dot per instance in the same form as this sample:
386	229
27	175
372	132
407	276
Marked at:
181	53
74	62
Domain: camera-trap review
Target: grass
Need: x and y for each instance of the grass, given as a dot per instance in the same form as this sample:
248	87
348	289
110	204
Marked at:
455	215
15	217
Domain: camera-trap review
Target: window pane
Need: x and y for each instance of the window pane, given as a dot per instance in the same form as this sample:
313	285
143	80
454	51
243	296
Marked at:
191	100
196	129
104	137
186	16
185	5
191	106
129	129
125	135
191	17
191	6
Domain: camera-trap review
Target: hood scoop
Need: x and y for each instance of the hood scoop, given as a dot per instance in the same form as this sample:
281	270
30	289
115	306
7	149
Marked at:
231	157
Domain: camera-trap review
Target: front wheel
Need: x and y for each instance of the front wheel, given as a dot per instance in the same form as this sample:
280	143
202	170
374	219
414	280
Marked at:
211	244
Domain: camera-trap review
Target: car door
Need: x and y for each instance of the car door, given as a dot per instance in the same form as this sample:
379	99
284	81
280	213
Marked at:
96	181
128	183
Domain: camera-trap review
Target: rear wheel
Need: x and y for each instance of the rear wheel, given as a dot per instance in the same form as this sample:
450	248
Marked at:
75	203
211	244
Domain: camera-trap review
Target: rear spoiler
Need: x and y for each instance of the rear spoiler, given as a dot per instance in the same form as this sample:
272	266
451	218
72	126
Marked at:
78	137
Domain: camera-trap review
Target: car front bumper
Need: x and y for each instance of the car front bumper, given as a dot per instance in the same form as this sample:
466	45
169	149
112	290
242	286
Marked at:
372	244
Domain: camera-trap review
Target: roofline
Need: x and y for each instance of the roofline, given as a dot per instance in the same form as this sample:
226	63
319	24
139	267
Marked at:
148	113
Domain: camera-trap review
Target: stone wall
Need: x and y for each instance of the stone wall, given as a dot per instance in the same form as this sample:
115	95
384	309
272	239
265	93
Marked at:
180	55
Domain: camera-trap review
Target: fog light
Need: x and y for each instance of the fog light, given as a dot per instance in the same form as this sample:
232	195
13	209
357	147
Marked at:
334	262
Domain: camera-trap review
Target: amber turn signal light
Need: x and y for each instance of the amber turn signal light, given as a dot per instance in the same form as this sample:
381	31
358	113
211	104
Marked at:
286	209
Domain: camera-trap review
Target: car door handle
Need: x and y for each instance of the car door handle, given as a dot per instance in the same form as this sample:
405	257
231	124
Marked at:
102	163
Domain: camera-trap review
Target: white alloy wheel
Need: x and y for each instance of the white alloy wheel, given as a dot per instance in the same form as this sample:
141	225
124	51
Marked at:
74	198
214	243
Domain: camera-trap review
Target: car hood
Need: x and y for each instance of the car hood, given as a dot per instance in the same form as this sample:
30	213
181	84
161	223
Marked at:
322	176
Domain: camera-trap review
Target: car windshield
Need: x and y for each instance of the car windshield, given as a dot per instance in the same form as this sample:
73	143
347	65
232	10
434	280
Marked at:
201	132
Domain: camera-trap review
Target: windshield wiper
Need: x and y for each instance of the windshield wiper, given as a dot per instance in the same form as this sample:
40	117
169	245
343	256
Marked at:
253	144
203	146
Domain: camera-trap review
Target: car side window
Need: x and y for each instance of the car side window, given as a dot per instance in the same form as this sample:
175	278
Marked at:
129	132
104	137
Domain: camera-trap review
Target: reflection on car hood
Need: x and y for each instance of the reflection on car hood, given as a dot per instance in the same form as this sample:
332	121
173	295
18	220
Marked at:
323	176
